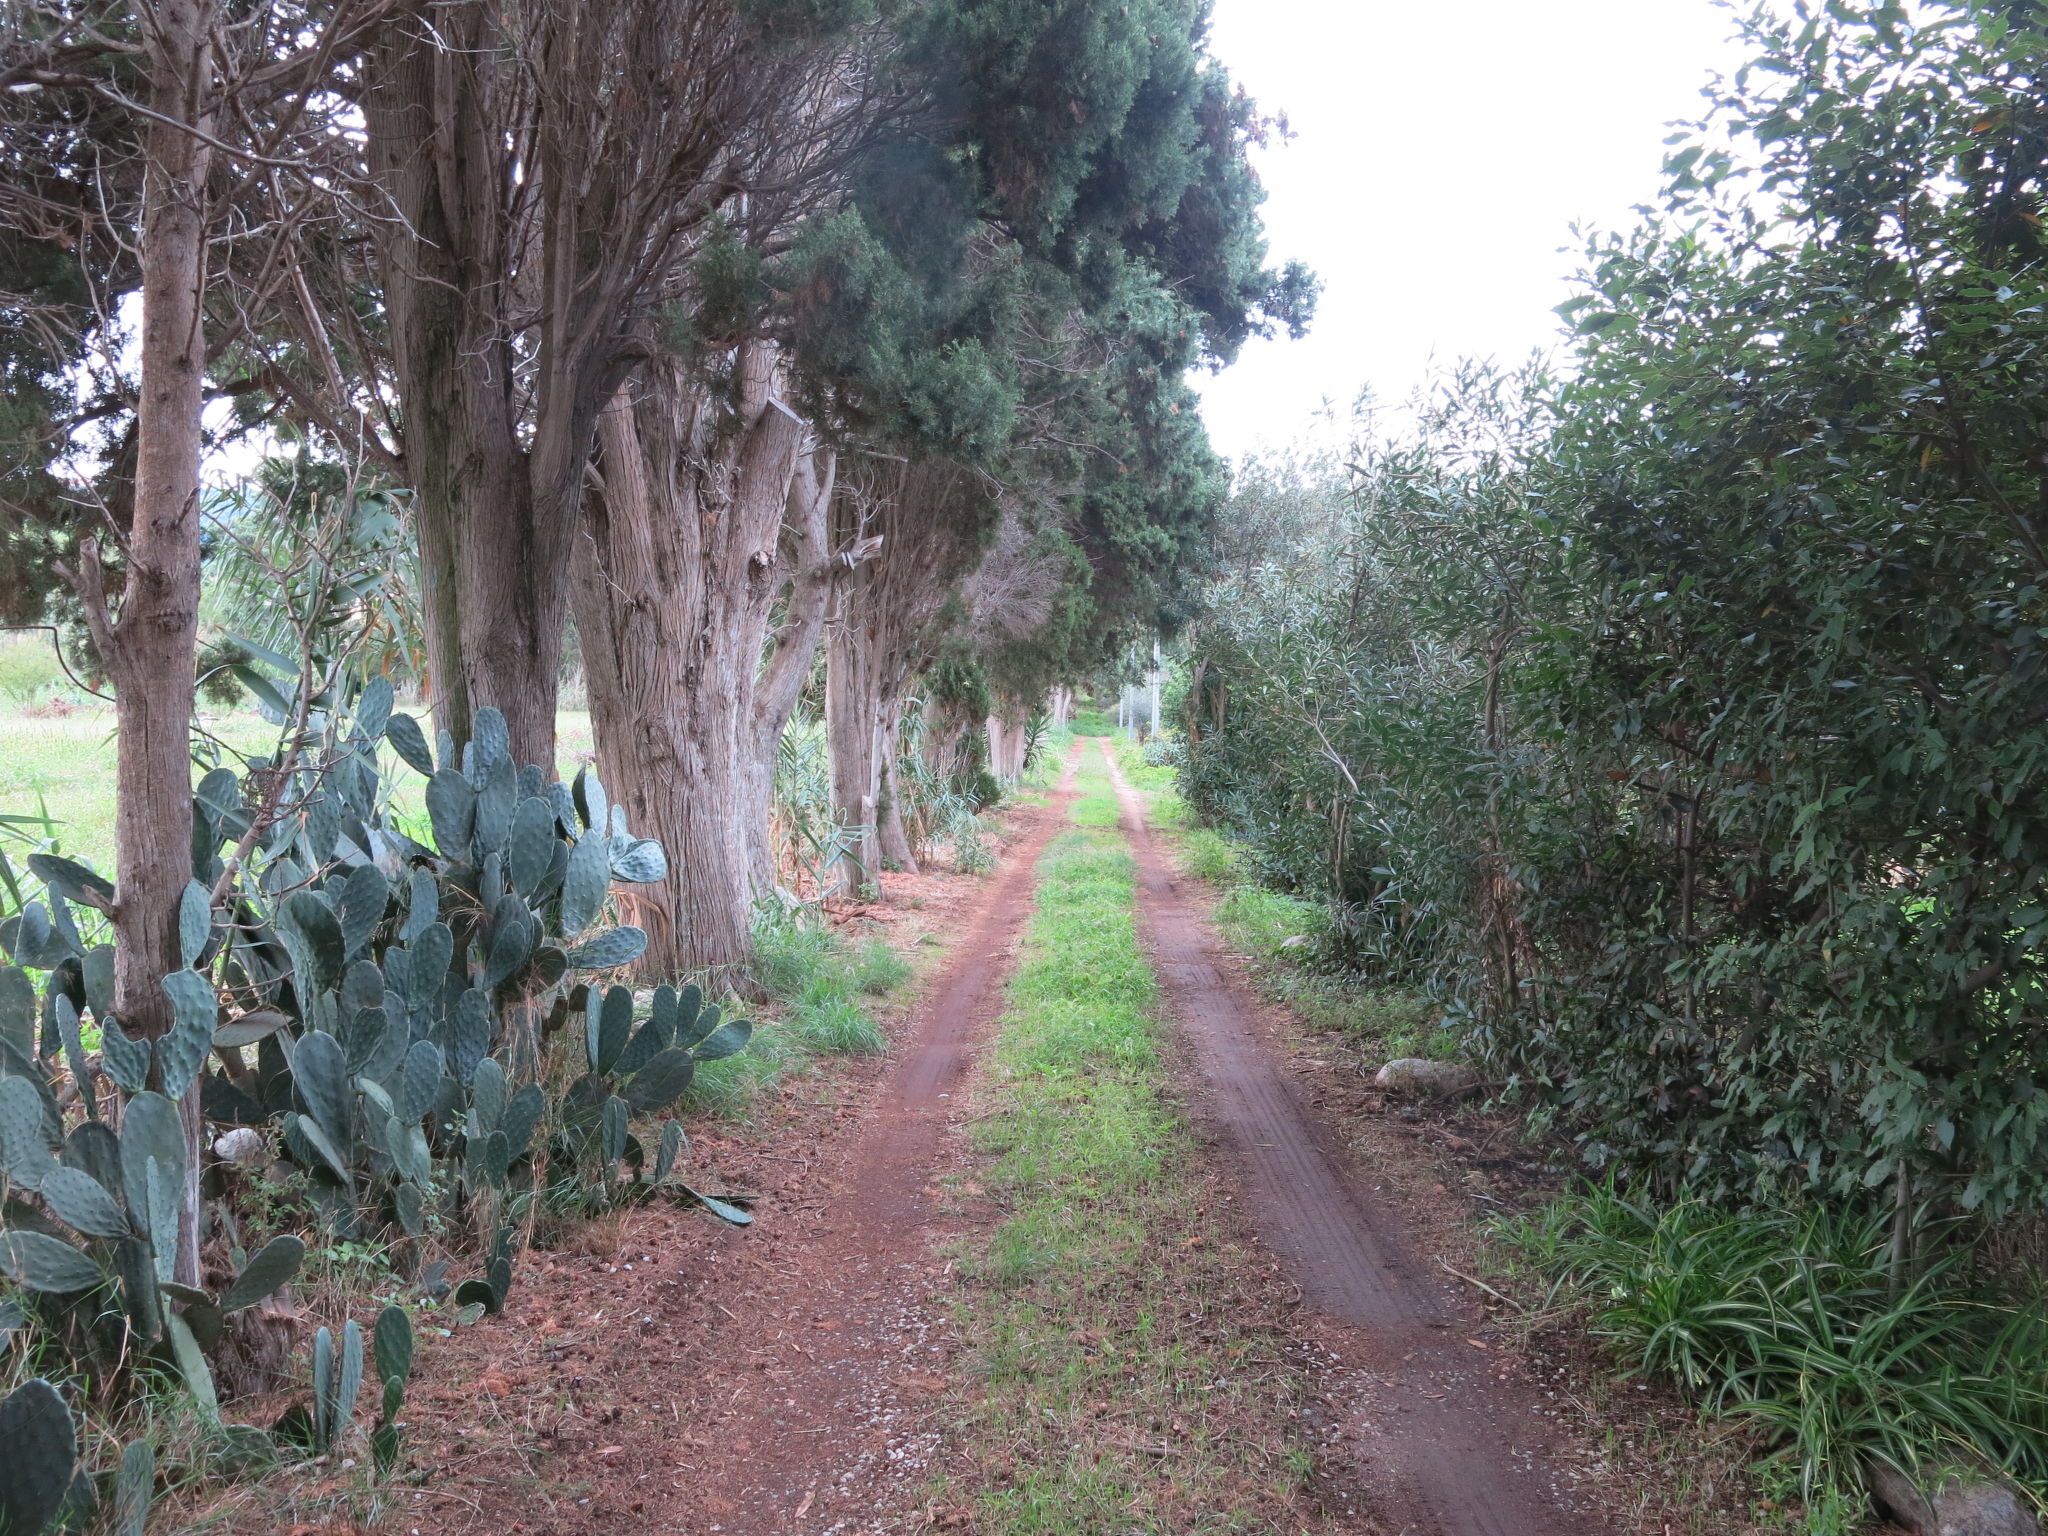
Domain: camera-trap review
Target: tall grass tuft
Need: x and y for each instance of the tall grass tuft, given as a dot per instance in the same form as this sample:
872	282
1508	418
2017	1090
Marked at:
1790	1319
824	983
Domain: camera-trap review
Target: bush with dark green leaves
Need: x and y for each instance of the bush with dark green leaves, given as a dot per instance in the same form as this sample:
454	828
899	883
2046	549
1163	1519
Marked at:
1681	719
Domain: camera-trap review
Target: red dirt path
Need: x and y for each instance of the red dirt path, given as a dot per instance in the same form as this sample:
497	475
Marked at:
1445	1447
668	1377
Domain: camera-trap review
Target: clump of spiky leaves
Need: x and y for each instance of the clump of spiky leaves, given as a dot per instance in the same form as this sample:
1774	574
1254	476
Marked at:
1794	1319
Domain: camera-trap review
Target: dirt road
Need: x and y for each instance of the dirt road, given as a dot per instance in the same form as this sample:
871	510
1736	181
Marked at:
788	1381
1444	1445
830	1437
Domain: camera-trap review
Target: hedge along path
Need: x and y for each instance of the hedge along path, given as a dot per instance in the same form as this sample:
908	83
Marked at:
835	1437
1443	1446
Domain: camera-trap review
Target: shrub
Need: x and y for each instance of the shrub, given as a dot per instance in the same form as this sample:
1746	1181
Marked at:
1676	720
1207	854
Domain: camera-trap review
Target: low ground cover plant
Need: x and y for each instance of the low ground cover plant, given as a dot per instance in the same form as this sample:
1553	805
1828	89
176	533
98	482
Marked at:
1795	1319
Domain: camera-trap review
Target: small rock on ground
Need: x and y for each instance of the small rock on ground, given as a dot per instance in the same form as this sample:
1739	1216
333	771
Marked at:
1414	1074
1958	1506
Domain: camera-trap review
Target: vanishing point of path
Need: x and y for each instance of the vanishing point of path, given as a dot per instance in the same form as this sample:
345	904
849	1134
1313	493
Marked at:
1444	1447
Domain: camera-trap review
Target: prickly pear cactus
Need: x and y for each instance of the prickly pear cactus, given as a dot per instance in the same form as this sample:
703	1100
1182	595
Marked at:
42	1450
369	994
392	1350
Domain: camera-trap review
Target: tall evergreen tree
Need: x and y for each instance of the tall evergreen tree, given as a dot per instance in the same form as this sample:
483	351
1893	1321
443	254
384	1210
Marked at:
1105	239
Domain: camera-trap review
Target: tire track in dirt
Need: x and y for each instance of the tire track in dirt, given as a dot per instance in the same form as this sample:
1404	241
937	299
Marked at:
835	1439
1444	1447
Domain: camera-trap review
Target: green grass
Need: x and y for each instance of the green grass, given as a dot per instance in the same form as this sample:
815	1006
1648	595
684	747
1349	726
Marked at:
1046	768
1106	1397
822	988
1787	1319
819	994
1278	932
1206	854
1094	802
1093	722
66	763
29	671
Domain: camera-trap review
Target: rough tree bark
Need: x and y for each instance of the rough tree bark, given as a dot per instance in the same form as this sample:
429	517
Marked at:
920	527
1008	730
702	584
148	646
551	168
494	577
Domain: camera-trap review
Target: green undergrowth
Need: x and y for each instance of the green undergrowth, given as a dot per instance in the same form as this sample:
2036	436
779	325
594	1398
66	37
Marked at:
1157	781
1050	761
1788	1320
819	990
1280	934
1108	1386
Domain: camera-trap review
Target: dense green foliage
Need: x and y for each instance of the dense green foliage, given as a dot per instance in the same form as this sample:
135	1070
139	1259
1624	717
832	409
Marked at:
1790	1319
1681	717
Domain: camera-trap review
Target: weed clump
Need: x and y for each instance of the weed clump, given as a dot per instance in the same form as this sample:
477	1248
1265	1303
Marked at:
1796	1320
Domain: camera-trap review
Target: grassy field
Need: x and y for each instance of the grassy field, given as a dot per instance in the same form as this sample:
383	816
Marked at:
1114	1381
63	766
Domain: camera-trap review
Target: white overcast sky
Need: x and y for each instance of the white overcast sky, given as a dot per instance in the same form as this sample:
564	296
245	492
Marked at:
1441	154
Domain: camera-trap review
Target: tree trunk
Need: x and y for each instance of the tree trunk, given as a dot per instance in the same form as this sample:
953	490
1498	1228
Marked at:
894	838
1006	738
1152	718
908	534
494	579
852	728
702	523
148	649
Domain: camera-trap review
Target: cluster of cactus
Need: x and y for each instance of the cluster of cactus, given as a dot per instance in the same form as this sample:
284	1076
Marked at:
107	1218
418	975
42	1487
376	1002
639	1070
338	1382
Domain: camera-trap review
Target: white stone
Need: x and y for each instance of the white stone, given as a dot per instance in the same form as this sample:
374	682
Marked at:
1959	1505
242	1146
1414	1074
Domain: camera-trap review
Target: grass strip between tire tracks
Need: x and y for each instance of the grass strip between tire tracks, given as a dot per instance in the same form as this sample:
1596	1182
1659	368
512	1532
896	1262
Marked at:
1125	1367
